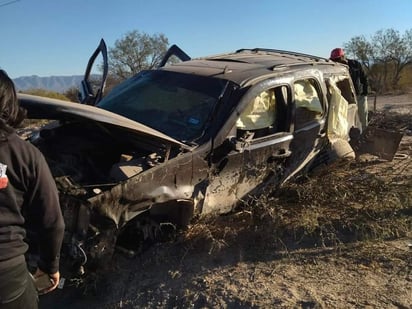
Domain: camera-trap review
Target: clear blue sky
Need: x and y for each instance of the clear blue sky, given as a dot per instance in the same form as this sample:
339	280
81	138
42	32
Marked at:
56	37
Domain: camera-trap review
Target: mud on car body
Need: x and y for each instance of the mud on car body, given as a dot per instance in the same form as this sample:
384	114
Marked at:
186	139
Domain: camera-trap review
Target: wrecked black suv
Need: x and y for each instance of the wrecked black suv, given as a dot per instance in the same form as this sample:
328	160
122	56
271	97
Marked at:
189	138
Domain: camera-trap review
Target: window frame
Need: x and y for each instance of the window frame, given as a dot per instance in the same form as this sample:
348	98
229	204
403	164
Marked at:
282	111
316	85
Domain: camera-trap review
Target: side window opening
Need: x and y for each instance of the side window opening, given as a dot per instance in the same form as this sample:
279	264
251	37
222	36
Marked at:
308	106
346	90
264	115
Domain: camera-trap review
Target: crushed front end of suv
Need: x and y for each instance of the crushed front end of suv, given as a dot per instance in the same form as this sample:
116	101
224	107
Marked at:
186	139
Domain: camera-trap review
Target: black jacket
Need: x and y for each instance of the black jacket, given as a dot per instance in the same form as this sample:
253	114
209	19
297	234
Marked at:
359	79
28	196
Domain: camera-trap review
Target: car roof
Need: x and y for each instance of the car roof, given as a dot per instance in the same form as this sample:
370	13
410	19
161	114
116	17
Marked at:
246	64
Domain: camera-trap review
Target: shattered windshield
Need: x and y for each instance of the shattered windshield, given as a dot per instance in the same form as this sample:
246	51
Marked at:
175	104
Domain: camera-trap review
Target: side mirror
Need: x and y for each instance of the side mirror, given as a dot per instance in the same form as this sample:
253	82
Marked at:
231	142
223	150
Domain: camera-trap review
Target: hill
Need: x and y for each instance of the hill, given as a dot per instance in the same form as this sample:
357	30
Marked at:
51	83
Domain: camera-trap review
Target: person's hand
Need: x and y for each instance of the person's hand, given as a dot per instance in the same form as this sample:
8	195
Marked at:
54	278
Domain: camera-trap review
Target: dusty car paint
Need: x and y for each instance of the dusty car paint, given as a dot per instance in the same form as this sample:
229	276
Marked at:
111	170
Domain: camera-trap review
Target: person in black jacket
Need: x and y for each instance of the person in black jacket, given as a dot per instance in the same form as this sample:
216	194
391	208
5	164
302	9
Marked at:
359	80
28	197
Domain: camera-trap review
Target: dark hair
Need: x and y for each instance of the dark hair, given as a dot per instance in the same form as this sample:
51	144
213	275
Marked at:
11	114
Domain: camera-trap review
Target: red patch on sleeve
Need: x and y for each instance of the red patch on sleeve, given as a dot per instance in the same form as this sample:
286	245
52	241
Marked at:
3	182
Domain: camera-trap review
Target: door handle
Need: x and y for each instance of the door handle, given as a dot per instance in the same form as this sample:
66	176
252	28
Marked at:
281	154
322	133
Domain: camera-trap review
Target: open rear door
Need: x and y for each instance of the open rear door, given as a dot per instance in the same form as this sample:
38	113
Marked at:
92	87
174	50
378	142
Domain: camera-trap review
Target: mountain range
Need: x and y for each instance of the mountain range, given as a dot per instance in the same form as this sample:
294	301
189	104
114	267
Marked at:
50	83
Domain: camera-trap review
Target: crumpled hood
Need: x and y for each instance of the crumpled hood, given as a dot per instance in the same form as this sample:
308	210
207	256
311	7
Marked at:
47	108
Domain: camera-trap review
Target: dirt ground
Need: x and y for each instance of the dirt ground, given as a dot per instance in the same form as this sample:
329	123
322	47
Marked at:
341	238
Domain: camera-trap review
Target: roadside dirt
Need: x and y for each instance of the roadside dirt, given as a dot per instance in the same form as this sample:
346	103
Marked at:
340	238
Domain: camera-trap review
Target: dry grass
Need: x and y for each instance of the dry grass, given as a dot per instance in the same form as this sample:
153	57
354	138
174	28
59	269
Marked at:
343	203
